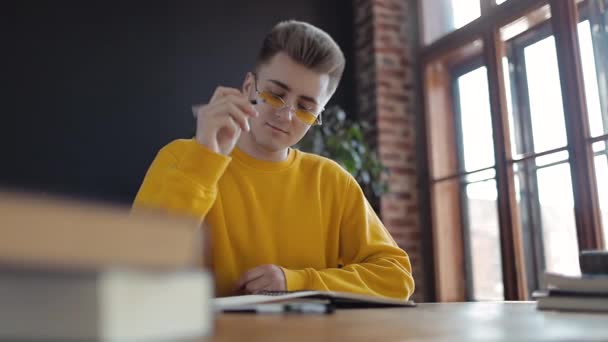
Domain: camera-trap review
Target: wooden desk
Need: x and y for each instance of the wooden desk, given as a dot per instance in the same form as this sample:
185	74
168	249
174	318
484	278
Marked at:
483	321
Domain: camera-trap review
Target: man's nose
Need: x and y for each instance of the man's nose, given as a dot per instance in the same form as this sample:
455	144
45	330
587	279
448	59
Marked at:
290	112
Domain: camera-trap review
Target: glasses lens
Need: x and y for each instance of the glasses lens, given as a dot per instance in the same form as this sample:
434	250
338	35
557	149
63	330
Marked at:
306	116
274	101
277	103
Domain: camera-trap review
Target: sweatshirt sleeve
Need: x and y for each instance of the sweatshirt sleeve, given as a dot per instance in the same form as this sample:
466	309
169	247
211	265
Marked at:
373	263
182	180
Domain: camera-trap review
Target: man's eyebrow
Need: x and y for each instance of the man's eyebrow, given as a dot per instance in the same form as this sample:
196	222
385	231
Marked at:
287	88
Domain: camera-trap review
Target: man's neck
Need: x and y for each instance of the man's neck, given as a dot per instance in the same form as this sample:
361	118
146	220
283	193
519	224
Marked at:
249	146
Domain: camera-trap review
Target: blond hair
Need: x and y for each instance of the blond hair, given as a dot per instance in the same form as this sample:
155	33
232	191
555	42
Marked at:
306	44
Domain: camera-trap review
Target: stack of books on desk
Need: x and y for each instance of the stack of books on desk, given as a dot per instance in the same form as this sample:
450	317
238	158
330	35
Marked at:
574	293
73	271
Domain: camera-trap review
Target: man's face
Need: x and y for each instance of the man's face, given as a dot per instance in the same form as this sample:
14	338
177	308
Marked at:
300	88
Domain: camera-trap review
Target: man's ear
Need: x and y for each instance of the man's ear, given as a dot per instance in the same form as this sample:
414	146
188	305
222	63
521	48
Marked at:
248	84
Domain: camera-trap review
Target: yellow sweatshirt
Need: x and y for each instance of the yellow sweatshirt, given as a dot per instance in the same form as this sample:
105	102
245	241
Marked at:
305	214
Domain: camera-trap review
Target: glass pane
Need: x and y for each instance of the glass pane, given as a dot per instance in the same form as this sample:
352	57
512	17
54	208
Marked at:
552	158
544	90
557	215
601	174
464	11
480	176
597	124
546	206
475	120
483	241
506	67
440	17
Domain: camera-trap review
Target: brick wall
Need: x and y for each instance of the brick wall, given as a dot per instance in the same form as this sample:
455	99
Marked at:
385	41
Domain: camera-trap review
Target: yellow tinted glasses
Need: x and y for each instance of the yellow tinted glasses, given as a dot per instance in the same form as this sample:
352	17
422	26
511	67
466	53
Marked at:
277	103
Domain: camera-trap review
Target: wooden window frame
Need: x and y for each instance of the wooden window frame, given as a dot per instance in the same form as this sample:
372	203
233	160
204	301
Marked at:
436	59
564	17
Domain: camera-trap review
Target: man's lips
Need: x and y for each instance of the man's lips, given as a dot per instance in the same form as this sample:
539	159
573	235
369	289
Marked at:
277	128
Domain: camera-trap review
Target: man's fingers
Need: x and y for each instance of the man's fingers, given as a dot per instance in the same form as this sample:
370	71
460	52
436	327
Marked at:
229	125
250	275
257	285
230	111
224	91
239	117
243	103
197	108
224	96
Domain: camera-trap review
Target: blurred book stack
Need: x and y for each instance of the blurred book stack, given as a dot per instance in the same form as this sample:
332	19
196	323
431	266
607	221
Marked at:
73	271
586	292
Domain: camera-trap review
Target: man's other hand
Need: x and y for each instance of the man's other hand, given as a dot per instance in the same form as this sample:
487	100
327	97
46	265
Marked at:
261	278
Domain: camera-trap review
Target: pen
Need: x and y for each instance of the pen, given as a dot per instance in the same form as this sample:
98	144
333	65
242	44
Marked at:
290	308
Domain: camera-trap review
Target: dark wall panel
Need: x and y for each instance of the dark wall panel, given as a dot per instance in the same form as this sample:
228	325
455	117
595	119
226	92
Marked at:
91	90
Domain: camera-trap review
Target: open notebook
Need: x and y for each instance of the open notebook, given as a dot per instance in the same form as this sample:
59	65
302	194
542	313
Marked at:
340	300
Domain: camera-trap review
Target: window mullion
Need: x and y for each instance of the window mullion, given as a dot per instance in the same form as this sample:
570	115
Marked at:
464	204
530	207
564	18
510	234
486	6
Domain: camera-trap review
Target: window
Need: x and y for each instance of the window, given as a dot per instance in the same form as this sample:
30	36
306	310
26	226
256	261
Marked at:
545	96
504	206
546	204
593	38
480	213
598	121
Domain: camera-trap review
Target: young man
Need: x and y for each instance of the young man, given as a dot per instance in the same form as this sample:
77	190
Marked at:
280	219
